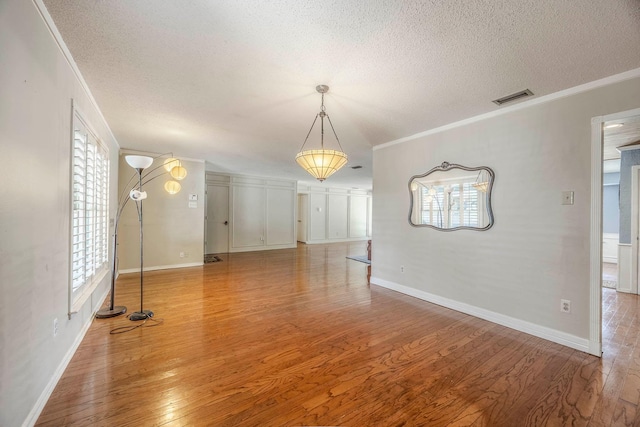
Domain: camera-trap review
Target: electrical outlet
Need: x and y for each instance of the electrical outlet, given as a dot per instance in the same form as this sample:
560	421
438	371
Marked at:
55	327
565	306
402	269
181	254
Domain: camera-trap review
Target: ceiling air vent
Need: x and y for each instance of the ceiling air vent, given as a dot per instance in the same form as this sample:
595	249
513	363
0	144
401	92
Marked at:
513	97
356	167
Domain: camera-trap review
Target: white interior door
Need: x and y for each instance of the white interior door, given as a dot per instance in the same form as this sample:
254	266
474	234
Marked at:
217	239
303	202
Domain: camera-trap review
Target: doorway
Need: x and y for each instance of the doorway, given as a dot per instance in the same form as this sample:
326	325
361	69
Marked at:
217	220
620	212
600	147
303	206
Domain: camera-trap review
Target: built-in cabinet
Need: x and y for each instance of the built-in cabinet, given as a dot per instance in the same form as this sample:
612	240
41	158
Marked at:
334	214
262	212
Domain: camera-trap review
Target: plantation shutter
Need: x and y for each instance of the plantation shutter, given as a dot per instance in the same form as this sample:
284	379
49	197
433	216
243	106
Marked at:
90	210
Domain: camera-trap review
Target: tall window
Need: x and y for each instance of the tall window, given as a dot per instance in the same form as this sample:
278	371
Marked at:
90	211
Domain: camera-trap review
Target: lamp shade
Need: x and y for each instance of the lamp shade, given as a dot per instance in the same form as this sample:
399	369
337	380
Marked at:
178	172
139	162
172	187
171	163
321	164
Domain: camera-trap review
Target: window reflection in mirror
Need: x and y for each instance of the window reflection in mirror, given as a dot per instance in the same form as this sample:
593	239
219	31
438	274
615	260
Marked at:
452	197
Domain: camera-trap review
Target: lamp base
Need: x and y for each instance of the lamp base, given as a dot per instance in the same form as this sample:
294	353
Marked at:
141	315
105	313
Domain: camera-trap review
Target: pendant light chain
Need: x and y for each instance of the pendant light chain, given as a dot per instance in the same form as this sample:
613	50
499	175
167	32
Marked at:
334	133
309	133
322	114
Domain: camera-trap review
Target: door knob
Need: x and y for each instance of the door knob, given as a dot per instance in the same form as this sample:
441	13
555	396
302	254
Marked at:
226	222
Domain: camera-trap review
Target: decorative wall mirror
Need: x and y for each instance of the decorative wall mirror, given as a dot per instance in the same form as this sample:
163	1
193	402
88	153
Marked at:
452	197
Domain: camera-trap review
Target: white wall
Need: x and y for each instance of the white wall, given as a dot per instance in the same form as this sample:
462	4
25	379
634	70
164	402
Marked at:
37	85
337	214
262	212
171	226
538	250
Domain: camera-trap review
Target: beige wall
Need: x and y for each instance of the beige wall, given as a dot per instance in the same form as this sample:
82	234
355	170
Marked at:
37	85
170	225
537	253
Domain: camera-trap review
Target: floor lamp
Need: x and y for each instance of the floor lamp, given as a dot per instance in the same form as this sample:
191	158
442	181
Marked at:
140	163
174	168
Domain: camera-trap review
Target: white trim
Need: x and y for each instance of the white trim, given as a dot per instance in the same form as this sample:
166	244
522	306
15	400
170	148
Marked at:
57	37
36	410
627	75
162	267
595	240
624	268
262	248
554	335
76	302
350	239
635	174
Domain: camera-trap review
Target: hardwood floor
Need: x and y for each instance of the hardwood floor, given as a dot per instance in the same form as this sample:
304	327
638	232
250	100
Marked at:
297	337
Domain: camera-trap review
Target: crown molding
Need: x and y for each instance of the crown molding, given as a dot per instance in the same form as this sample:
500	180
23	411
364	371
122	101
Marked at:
627	75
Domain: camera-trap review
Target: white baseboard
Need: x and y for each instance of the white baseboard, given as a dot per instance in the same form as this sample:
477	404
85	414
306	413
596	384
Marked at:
161	267
320	242
553	335
35	412
263	248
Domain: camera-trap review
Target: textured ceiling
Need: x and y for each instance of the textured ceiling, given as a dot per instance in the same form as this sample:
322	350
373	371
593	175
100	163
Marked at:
233	81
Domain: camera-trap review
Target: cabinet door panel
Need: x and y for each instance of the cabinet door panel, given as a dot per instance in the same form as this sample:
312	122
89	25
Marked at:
318	216
280	216
248	217
358	216
338	216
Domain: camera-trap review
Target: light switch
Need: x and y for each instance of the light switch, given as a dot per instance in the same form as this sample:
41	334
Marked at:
567	197
193	197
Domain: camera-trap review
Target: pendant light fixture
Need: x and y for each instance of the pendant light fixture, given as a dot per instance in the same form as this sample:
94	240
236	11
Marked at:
321	163
481	186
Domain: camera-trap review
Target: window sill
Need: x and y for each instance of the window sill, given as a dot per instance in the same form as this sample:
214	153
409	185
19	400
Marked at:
88	290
